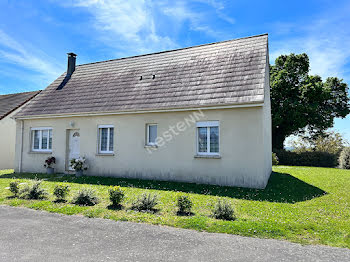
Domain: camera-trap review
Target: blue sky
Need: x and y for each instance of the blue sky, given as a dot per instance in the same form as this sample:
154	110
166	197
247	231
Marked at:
36	35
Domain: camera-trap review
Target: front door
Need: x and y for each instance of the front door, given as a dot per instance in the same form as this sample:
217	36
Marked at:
73	145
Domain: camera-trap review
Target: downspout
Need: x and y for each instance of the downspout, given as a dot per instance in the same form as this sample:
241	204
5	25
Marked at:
21	148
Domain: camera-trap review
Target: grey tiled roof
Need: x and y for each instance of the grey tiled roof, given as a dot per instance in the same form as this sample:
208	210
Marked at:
10	102
223	73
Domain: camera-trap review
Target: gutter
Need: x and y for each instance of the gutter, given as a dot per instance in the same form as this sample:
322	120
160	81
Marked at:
139	111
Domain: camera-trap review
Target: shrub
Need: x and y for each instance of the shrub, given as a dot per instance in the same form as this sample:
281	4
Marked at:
78	164
33	191
14	187
145	202
344	159
311	158
86	197
274	159
61	192
223	210
184	204
116	195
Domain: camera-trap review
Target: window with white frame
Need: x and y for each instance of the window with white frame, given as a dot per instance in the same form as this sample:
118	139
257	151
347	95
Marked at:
106	139
151	134
208	138
42	139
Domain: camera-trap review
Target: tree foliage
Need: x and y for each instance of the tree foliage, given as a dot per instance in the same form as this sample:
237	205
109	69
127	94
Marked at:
301	102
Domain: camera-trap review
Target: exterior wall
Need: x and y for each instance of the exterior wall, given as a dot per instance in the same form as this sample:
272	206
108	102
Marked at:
267	123
242	141
7	141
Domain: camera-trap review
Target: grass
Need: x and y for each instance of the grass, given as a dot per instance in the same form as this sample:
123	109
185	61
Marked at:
307	205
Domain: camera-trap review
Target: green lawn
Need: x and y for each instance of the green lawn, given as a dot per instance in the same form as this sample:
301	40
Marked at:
300	204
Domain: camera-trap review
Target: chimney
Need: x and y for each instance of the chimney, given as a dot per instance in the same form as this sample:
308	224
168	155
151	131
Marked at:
71	63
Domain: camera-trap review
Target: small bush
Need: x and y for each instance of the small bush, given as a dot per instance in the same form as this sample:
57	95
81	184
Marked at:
33	191
14	187
344	158
61	192
184	204
223	210
145	202
116	195
86	197
309	158
274	159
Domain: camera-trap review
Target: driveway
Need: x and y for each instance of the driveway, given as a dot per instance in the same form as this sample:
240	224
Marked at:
29	235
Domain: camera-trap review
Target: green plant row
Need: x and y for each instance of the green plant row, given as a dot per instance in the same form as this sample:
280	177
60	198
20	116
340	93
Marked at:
145	202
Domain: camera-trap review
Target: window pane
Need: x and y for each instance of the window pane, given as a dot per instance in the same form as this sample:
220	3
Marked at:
45	139
103	133
50	139
202	139
36	139
214	139
111	137
152	135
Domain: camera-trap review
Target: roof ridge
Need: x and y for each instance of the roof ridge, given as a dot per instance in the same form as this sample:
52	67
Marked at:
172	50
21	93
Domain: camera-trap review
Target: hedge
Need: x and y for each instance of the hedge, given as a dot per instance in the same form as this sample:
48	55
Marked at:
314	158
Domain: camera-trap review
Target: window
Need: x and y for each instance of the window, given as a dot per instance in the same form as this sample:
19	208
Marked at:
151	134
106	139
42	139
208	138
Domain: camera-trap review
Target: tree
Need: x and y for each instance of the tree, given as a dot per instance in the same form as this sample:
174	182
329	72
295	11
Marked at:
331	142
301	102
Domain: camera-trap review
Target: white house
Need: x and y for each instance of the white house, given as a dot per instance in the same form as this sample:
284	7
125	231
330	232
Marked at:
9	105
198	114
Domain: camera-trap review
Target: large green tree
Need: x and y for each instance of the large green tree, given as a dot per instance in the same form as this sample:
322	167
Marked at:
301	102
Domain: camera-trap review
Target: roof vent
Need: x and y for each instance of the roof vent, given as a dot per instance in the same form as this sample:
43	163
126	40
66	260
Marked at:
140	77
154	76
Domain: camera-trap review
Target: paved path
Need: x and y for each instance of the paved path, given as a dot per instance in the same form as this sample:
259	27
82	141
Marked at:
29	235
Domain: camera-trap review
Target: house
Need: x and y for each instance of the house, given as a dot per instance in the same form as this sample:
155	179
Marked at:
198	114
9	105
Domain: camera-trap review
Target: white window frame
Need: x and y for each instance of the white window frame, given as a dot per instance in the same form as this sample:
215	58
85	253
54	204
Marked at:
207	124
41	129
148	143
100	151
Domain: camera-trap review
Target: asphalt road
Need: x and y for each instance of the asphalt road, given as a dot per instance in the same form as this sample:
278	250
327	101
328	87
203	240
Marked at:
30	235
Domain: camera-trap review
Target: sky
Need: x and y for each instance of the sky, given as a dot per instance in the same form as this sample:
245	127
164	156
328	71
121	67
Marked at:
35	35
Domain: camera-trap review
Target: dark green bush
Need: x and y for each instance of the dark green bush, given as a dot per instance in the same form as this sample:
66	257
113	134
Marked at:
344	158
224	210
116	195
274	159
145	202
14	187
61	192
313	158
184	204
33	191
86	197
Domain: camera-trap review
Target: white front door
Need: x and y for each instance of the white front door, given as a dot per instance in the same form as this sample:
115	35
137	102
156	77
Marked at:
74	145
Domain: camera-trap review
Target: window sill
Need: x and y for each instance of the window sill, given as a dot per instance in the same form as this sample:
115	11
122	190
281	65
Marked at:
208	156
153	146
105	154
40	152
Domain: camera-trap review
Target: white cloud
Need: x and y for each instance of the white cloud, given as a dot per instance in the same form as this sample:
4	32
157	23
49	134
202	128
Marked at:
11	51
126	24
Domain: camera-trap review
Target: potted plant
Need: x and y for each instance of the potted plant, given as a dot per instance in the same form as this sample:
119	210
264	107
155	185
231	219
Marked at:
49	162
79	165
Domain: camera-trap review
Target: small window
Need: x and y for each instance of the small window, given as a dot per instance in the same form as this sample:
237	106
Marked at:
208	138
41	139
151	134
106	139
